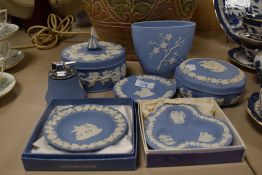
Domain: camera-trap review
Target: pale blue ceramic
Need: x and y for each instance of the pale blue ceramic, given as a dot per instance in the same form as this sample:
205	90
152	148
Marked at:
200	77
162	45
62	89
183	126
144	87
99	64
222	100
85	128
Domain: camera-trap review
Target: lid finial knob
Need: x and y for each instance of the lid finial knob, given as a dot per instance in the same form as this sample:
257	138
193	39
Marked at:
93	44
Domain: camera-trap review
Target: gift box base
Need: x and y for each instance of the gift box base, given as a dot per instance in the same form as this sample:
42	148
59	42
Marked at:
167	160
197	156
80	162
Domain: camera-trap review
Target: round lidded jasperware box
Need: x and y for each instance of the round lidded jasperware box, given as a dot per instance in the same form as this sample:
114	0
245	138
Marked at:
99	64
205	77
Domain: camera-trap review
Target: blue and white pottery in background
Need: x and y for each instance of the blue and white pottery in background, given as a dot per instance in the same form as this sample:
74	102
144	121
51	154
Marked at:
85	128
253	25
162	45
182	127
144	87
230	13
100	64
258	66
238	56
63	84
254	107
251	49
246	37
211	77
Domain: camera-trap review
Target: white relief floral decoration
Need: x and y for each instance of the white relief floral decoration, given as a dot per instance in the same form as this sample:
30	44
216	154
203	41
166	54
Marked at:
94	77
164	46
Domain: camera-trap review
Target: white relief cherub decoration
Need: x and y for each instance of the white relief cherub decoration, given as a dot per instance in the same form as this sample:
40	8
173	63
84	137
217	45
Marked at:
164	45
86	131
213	66
144	92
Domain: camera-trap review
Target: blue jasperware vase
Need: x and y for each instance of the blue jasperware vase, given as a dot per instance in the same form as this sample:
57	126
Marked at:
162	45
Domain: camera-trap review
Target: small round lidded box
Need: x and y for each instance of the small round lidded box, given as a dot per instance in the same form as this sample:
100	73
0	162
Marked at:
205	77
99	64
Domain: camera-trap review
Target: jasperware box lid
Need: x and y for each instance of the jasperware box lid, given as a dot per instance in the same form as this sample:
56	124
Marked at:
211	76
87	56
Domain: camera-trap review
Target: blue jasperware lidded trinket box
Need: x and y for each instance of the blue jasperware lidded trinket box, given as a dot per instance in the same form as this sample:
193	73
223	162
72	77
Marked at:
100	64
205	77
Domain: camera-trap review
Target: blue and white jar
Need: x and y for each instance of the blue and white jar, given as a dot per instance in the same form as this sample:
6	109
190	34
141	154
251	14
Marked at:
205	77
100	64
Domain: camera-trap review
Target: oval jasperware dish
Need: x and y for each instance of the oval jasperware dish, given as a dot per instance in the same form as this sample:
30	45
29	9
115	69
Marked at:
144	87
211	76
85	128
206	77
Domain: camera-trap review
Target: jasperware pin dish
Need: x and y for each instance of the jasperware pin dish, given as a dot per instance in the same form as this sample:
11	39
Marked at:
85	128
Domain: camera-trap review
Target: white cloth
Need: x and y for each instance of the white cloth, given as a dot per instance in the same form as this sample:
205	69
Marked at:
125	145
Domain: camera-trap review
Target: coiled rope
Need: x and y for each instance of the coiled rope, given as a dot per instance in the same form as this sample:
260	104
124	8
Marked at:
47	37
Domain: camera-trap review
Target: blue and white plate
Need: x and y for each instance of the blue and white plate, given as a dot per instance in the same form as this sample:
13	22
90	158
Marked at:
253	108
238	56
85	128
144	87
229	14
182	127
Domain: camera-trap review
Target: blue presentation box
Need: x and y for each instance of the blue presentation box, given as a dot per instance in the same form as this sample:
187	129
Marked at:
76	161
